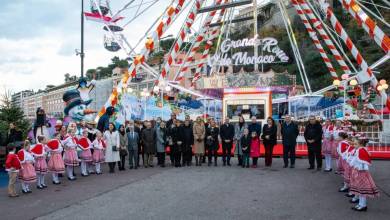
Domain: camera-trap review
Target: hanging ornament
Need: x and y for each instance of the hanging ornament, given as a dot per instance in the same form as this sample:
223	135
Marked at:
139	59
149	44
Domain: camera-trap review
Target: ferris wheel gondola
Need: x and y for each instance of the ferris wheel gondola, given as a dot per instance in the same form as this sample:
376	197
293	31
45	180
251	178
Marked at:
113	28
110	44
103	5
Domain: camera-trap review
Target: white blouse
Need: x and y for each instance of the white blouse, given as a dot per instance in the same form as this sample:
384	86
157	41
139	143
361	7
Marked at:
69	142
98	144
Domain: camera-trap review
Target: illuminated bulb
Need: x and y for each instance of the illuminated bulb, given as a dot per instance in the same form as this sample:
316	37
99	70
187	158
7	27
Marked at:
385	86
382	81
379	88
353	82
171	10
156	89
168	88
149	44
336	82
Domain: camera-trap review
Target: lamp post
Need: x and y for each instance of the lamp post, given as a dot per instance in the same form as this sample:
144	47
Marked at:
383	86
337	83
161	87
82	39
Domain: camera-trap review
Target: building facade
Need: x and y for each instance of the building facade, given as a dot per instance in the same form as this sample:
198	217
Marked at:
31	103
18	98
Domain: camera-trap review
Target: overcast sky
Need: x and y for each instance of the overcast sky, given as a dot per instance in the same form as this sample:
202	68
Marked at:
38	39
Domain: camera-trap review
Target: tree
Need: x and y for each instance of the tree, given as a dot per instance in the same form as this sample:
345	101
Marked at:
11	114
167	44
90	74
67	77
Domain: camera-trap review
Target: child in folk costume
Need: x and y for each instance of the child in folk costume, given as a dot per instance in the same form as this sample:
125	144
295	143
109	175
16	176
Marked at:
38	151
348	156
27	174
327	144
12	166
86	155
342	148
362	184
71	159
98	152
246	147
56	163
255	148
338	128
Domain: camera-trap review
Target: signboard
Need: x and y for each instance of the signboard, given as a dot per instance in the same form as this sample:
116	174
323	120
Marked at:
269	52
243	79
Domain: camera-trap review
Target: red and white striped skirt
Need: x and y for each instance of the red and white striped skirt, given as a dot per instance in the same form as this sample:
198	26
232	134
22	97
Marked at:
27	174
98	156
347	173
327	146
70	158
86	155
40	165
341	165
335	144
56	163
363	184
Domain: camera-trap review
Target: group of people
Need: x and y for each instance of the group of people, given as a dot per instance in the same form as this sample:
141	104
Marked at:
85	146
352	161
82	145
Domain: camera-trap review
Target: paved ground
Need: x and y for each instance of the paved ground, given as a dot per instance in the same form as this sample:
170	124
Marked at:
200	193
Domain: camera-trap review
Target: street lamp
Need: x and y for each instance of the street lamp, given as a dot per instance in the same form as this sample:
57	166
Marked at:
337	83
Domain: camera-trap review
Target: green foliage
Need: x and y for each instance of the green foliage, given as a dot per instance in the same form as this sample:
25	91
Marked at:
11	114
166	44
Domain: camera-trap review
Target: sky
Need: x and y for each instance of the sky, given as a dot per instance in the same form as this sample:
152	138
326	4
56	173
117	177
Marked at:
38	39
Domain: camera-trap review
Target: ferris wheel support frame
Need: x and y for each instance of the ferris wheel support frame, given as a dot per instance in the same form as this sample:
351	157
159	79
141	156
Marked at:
318	25
225	6
293	43
196	42
160	30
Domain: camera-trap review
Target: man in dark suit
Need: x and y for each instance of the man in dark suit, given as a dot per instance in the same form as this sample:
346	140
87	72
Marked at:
227	135
313	137
254	126
132	146
290	133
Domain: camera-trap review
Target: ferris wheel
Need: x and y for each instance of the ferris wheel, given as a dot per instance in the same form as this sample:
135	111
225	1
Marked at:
204	22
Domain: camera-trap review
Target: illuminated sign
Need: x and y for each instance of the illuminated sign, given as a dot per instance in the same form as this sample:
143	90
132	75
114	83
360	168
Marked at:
269	49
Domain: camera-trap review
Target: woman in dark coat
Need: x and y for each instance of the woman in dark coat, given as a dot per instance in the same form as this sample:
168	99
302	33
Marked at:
148	137
212	142
269	140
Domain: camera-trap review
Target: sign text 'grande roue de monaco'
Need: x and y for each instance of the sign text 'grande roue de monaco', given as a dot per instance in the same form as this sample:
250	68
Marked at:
269	52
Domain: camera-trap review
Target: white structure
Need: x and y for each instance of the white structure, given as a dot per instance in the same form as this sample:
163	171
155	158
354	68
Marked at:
18	98
267	12
31	103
